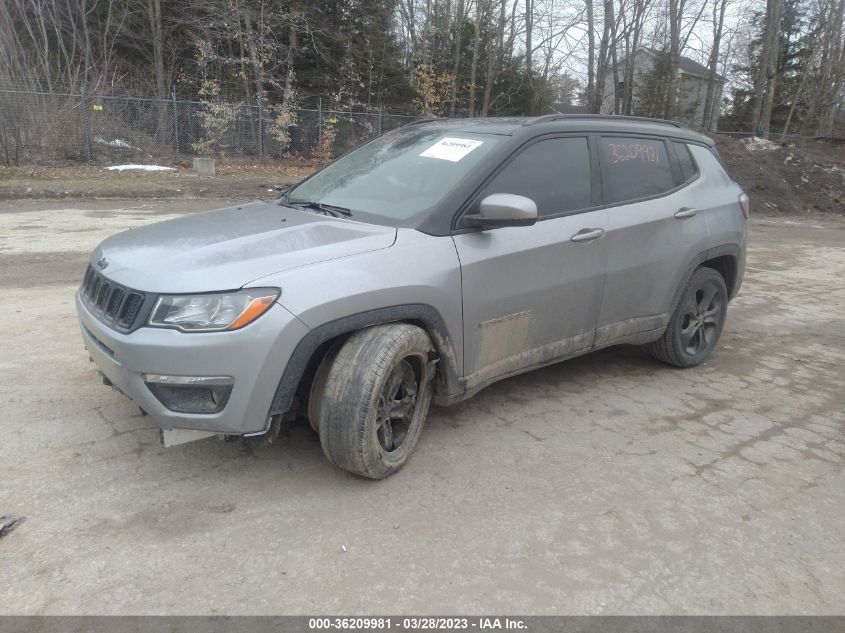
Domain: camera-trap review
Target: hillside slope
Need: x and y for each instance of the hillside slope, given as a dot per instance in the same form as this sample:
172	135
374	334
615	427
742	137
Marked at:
793	177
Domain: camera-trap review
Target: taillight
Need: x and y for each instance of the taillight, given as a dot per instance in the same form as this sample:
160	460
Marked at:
744	204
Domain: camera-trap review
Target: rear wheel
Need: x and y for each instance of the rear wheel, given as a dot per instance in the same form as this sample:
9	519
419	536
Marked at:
696	324
375	399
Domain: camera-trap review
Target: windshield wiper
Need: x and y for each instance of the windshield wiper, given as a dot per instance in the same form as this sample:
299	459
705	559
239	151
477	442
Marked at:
322	207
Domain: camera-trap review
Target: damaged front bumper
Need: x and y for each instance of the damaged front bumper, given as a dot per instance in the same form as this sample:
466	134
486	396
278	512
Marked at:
200	383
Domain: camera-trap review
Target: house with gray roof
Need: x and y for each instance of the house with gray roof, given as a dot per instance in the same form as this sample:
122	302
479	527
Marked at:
692	87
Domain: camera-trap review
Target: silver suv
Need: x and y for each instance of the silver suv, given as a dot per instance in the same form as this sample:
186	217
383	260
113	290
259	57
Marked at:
422	266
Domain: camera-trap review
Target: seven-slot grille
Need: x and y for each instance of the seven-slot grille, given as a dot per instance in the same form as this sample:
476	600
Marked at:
111	303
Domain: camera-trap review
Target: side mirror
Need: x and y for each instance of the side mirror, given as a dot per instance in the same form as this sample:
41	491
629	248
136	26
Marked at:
504	209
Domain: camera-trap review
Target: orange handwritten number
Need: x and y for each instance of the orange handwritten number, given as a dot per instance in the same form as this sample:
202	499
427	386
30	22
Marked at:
622	153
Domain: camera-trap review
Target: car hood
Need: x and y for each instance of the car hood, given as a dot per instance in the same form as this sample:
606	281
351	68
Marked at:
228	248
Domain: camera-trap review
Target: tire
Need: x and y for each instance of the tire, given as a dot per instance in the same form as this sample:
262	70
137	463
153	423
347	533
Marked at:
380	367
696	323
318	387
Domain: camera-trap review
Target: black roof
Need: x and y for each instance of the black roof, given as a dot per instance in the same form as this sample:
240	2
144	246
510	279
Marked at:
510	126
568	108
482	125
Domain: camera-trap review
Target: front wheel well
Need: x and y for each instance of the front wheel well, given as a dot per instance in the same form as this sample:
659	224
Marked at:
726	266
299	402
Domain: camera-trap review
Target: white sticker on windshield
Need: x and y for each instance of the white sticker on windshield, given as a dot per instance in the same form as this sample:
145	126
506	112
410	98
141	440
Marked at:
453	149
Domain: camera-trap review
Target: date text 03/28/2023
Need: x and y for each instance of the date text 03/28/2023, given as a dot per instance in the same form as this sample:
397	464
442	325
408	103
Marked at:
416	623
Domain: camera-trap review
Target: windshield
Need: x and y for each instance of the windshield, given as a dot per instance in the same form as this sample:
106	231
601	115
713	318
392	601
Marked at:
398	176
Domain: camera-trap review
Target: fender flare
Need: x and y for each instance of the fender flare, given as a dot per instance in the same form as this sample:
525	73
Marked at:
425	314
733	250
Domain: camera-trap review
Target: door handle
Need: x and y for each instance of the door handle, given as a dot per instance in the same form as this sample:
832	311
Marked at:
685	212
587	235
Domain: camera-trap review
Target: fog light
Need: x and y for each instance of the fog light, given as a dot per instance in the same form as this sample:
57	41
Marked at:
191	394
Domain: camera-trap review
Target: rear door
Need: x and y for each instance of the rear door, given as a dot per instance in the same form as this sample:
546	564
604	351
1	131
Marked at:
654	231
532	294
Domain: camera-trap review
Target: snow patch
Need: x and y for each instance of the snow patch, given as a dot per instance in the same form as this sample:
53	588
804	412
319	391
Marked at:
139	167
755	143
116	142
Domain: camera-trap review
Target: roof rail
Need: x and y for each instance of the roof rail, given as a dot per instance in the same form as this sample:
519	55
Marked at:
418	121
603	117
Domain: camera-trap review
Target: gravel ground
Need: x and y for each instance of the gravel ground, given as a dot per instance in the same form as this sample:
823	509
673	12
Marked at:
608	484
234	179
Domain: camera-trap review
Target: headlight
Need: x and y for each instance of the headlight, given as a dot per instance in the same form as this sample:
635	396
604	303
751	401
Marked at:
212	312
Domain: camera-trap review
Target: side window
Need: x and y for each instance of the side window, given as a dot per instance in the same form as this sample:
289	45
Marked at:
685	161
554	173
709	164
634	168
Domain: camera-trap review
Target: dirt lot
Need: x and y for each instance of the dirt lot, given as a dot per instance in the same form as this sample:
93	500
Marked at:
608	484
233	180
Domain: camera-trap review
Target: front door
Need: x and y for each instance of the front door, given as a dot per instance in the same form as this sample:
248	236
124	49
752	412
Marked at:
532	295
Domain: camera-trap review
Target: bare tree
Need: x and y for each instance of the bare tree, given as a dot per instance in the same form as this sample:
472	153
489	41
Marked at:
479	16
832	76
460	17
529	47
592	104
603	62
677	43
766	79
494	51
719	7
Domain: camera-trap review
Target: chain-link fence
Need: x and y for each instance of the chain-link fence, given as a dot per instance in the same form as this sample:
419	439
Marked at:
50	127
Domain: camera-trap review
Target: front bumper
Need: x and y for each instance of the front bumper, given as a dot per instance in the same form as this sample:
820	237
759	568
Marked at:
254	356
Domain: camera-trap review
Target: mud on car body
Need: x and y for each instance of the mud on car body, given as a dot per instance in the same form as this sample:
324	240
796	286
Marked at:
421	267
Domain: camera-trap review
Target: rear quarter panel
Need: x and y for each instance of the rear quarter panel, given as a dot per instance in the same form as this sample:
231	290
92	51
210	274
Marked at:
726	226
725	222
